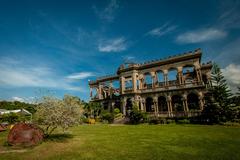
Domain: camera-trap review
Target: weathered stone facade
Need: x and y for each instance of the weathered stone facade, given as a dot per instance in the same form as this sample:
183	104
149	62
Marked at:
174	86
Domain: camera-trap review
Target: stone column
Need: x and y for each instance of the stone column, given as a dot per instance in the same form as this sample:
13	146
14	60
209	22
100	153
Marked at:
209	83
153	79
91	92
98	95
110	89
143	105
124	101
185	104
200	100
165	74
134	81
169	104
180	75
155	101
198	72
122	86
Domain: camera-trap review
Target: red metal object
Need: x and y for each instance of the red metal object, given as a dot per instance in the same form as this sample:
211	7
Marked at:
25	134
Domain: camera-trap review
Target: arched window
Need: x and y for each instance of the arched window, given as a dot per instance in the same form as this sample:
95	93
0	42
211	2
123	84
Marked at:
128	84
160	78
189	74
172	77
129	104
162	104
193	103
149	105
177	103
148	80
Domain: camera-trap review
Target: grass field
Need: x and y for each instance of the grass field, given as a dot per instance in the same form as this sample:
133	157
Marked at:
135	142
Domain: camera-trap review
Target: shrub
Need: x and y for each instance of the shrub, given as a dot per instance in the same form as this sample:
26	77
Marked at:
183	121
84	119
154	120
107	116
119	115
116	111
146	117
158	120
231	124
10	118
170	121
135	116
53	113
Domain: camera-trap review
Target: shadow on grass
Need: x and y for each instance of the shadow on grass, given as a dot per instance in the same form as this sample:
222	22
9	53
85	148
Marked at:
59	137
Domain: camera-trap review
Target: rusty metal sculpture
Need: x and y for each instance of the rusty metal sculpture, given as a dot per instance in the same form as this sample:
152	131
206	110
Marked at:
25	135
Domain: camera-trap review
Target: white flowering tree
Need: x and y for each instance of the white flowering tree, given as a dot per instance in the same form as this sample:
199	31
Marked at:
53	113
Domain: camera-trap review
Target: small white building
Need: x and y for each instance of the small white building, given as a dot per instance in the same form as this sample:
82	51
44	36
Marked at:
20	111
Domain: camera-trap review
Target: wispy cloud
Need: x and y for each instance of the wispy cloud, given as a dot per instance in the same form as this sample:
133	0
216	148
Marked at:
201	35
232	74
81	75
228	53
230	15
108	13
17	74
163	30
20	99
113	45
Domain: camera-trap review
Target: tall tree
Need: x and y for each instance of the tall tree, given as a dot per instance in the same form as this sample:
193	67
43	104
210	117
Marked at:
219	90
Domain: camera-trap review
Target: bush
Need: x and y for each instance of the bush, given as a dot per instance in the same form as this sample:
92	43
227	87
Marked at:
183	121
170	121
146	117
107	116
119	115
154	120
158	120
135	116
231	124
116	111
10	118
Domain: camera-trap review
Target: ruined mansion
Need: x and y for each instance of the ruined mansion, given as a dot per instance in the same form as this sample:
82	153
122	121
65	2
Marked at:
169	87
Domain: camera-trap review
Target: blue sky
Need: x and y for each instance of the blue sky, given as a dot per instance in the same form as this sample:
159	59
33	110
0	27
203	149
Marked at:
57	46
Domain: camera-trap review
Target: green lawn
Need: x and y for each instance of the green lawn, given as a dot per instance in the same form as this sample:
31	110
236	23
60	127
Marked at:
136	142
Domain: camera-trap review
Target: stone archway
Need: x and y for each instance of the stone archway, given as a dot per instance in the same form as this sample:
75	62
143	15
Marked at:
149	104
177	103
193	102
129	104
162	104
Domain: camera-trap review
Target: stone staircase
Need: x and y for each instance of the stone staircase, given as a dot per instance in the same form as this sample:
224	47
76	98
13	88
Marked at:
121	120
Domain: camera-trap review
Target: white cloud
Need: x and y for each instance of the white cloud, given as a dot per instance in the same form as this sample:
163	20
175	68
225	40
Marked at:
113	45
228	53
18	99
201	35
163	30
108	13
17	74
230	14
232	75
81	75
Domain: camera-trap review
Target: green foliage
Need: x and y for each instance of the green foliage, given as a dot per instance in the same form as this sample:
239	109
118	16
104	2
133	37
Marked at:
116	111
107	116
119	115
92	109
135	115
183	121
154	120
10	118
218	106
17	105
53	113
219	89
